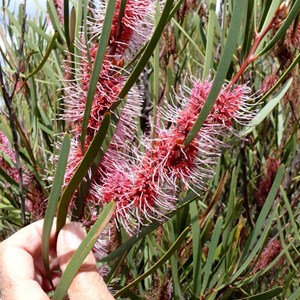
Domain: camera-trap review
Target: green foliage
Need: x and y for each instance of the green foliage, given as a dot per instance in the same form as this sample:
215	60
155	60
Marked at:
213	245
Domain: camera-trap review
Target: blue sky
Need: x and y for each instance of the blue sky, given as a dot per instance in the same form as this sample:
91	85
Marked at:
31	6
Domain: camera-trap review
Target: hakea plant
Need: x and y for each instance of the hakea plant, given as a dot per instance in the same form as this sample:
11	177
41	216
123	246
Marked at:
144	184
143	173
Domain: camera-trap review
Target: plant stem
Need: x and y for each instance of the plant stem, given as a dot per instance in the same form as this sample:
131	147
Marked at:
8	99
251	56
245	185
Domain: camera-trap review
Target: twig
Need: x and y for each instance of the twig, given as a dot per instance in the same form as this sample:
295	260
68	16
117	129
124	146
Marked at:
245	185
252	56
8	99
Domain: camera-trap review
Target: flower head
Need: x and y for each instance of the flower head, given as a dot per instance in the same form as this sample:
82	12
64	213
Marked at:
270	252
127	24
146	186
59	6
6	149
131	26
109	84
264	186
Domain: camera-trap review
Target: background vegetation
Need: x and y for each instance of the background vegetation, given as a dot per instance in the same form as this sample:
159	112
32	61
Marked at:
237	240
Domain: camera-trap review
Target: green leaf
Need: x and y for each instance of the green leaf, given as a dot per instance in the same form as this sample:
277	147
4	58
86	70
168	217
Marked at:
260	223
158	264
260	242
290	212
188	37
211	253
125	246
295	295
197	262
146	230
229	49
156	79
82	251
266	19
282	77
81	171
58	181
48	52
293	13
54	19
18	28
267	108
174	261
102	47
283	244
209	52
66	24
229	220
266	295
43	34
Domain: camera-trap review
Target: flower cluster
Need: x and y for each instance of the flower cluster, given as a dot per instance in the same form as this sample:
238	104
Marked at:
269	254
132	26
7	150
264	186
145	186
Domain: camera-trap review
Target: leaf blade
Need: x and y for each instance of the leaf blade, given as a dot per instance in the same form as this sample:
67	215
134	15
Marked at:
53	201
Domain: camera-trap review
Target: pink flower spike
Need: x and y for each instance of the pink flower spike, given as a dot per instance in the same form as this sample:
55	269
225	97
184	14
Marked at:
129	31
145	188
270	253
6	149
109	84
59	6
9	167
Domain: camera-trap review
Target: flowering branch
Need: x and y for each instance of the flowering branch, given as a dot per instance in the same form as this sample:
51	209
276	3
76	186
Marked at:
8	99
258	38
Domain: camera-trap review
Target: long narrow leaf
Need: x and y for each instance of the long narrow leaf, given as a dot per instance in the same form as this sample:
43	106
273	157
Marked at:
264	212
266	295
211	253
48	52
163	259
58	181
82	251
212	21
81	171
265	111
194	215
66	23
103	42
295	295
282	30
